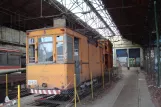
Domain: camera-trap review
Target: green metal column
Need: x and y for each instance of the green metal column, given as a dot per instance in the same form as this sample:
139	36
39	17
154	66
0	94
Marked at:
147	66
149	60
158	50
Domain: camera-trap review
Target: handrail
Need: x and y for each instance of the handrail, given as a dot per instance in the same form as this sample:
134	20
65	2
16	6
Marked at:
7	71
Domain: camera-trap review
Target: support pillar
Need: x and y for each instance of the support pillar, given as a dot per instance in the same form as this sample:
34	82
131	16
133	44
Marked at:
128	64
158	49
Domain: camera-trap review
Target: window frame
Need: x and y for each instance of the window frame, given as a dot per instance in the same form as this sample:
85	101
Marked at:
54	48
70	42
28	50
56	55
52	42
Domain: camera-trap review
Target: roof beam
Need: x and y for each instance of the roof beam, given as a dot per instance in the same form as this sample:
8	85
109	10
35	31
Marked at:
71	15
98	15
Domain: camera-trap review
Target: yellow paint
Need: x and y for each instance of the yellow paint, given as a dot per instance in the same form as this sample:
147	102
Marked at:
70	75
75	91
47	31
52	74
6	84
19	96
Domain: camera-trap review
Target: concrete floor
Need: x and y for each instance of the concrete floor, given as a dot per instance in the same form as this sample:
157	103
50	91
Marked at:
131	91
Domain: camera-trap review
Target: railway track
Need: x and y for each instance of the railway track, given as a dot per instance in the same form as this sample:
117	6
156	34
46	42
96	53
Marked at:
13	97
24	92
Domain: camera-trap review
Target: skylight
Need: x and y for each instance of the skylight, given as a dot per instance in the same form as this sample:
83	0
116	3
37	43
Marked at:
83	11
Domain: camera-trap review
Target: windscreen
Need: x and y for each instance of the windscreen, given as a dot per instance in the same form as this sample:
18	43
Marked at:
45	49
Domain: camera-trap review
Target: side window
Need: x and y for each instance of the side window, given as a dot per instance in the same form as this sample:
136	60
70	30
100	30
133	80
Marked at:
3	58
59	48
68	48
14	58
45	49
31	51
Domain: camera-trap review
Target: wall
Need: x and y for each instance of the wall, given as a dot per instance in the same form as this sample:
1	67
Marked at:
11	36
121	43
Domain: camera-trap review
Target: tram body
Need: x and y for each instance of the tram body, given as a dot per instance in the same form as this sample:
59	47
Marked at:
54	55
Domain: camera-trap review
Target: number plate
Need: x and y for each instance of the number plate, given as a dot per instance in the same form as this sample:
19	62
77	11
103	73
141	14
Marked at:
32	82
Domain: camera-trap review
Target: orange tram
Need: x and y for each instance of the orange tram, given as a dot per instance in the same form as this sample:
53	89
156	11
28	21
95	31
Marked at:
54	55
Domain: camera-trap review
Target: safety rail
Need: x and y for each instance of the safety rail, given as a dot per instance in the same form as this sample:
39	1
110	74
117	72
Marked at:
8	71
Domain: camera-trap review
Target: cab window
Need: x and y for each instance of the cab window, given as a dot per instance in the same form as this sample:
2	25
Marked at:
45	49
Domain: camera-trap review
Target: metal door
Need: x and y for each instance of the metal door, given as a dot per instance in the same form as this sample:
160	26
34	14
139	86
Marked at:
77	60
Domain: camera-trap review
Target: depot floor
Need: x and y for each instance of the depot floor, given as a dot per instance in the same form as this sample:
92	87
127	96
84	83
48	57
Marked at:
130	91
